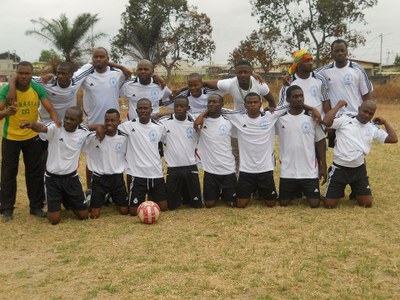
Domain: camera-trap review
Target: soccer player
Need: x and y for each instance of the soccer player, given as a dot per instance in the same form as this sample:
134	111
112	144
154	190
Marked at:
144	85
28	97
143	159
354	137
61	178
300	169
314	85
180	139
106	160
216	156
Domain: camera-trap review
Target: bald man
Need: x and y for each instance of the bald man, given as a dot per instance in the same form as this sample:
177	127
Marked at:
354	137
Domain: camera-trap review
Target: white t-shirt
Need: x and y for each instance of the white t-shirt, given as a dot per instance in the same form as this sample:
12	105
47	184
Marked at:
297	137
180	139
133	90
142	156
256	140
354	140
108	156
231	86
314	88
62	98
199	104
349	83
101	92
64	148
215	149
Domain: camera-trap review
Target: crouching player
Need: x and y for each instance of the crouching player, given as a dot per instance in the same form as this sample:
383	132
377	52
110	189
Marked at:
61	178
106	161
299	135
354	137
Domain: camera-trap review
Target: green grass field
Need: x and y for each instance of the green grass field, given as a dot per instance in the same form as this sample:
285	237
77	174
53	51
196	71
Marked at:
220	253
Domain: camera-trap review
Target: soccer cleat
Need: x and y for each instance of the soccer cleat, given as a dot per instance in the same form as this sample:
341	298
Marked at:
38	213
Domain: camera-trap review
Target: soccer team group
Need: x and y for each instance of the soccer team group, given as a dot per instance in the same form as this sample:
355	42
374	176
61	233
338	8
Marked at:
235	147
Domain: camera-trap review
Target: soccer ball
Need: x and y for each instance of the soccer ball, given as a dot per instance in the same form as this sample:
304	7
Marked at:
148	212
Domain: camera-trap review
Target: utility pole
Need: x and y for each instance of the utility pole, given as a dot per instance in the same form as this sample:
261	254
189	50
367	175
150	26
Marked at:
380	65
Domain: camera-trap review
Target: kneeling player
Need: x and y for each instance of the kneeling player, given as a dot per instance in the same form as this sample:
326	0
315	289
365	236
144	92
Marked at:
354	137
298	136
61	178
106	161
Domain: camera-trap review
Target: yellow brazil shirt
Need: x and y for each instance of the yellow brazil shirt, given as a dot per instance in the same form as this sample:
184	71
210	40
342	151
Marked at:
28	104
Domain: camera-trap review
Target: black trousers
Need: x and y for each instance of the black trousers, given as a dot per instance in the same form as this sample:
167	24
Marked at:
34	173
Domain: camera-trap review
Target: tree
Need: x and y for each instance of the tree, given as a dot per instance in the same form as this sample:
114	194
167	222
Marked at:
312	24
163	31
72	40
397	60
49	55
258	48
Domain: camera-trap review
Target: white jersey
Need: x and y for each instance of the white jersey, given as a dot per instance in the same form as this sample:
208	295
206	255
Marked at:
180	139
199	104
62	98
133	90
215	149
314	88
108	156
297	137
349	83
231	86
101	92
354	140
142	156
256	140
64	148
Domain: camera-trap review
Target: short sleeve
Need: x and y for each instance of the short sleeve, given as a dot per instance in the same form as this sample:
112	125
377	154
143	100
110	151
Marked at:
3	93
319	133
39	90
380	135
338	122
224	84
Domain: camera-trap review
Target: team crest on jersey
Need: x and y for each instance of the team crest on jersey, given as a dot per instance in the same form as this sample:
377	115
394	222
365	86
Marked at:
314	91
154	95
118	148
347	79
306	127
190	133
113	81
223	129
153	136
263	124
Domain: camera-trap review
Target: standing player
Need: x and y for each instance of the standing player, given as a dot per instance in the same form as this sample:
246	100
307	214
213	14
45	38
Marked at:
106	161
61	178
298	133
314	85
143	159
182	175
15	140
215	151
354	135
144	86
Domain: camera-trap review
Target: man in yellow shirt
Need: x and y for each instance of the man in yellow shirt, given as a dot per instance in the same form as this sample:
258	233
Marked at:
28	97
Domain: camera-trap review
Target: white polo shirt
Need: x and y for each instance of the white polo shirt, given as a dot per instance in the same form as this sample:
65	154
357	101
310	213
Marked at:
354	140
297	137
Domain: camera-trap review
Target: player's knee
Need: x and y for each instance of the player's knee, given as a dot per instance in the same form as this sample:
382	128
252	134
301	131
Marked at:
163	205
94	213
270	203
53	220
284	202
209	203
123	210
242	203
314	203
364	201
331	203
133	210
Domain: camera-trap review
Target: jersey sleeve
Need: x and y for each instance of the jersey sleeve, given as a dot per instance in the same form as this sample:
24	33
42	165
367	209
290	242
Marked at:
380	135
39	90
365	85
338	122
282	96
80	75
224	84
89	143
319	133
3	93
166	92
263	88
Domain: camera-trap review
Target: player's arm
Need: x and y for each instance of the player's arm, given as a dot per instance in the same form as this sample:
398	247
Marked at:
315	113
11	97
367	96
52	112
128	73
326	106
270	99
198	123
392	136
321	153
211	84
330	115
35	126
7	111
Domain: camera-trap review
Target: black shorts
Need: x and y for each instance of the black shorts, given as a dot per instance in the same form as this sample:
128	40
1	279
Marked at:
291	188
64	189
112	184
216	186
340	176
140	187
249	183
183	185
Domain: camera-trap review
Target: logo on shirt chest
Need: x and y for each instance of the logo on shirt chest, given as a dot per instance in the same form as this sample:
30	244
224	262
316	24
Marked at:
263	125
190	133
347	79
314	91
306	128
112	81
154	95
118	148
153	136
223	129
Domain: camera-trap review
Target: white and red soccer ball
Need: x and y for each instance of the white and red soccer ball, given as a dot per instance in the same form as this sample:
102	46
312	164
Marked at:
148	212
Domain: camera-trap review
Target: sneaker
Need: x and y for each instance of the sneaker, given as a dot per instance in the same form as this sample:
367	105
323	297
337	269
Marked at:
7	216
38	213
88	196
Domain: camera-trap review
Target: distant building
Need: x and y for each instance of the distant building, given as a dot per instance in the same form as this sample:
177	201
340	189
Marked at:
8	64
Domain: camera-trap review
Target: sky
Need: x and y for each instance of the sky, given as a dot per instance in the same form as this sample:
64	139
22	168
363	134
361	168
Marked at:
231	21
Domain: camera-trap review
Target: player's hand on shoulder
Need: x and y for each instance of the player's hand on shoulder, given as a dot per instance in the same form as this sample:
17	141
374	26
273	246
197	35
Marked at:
100	133
45	78
342	103
379	120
